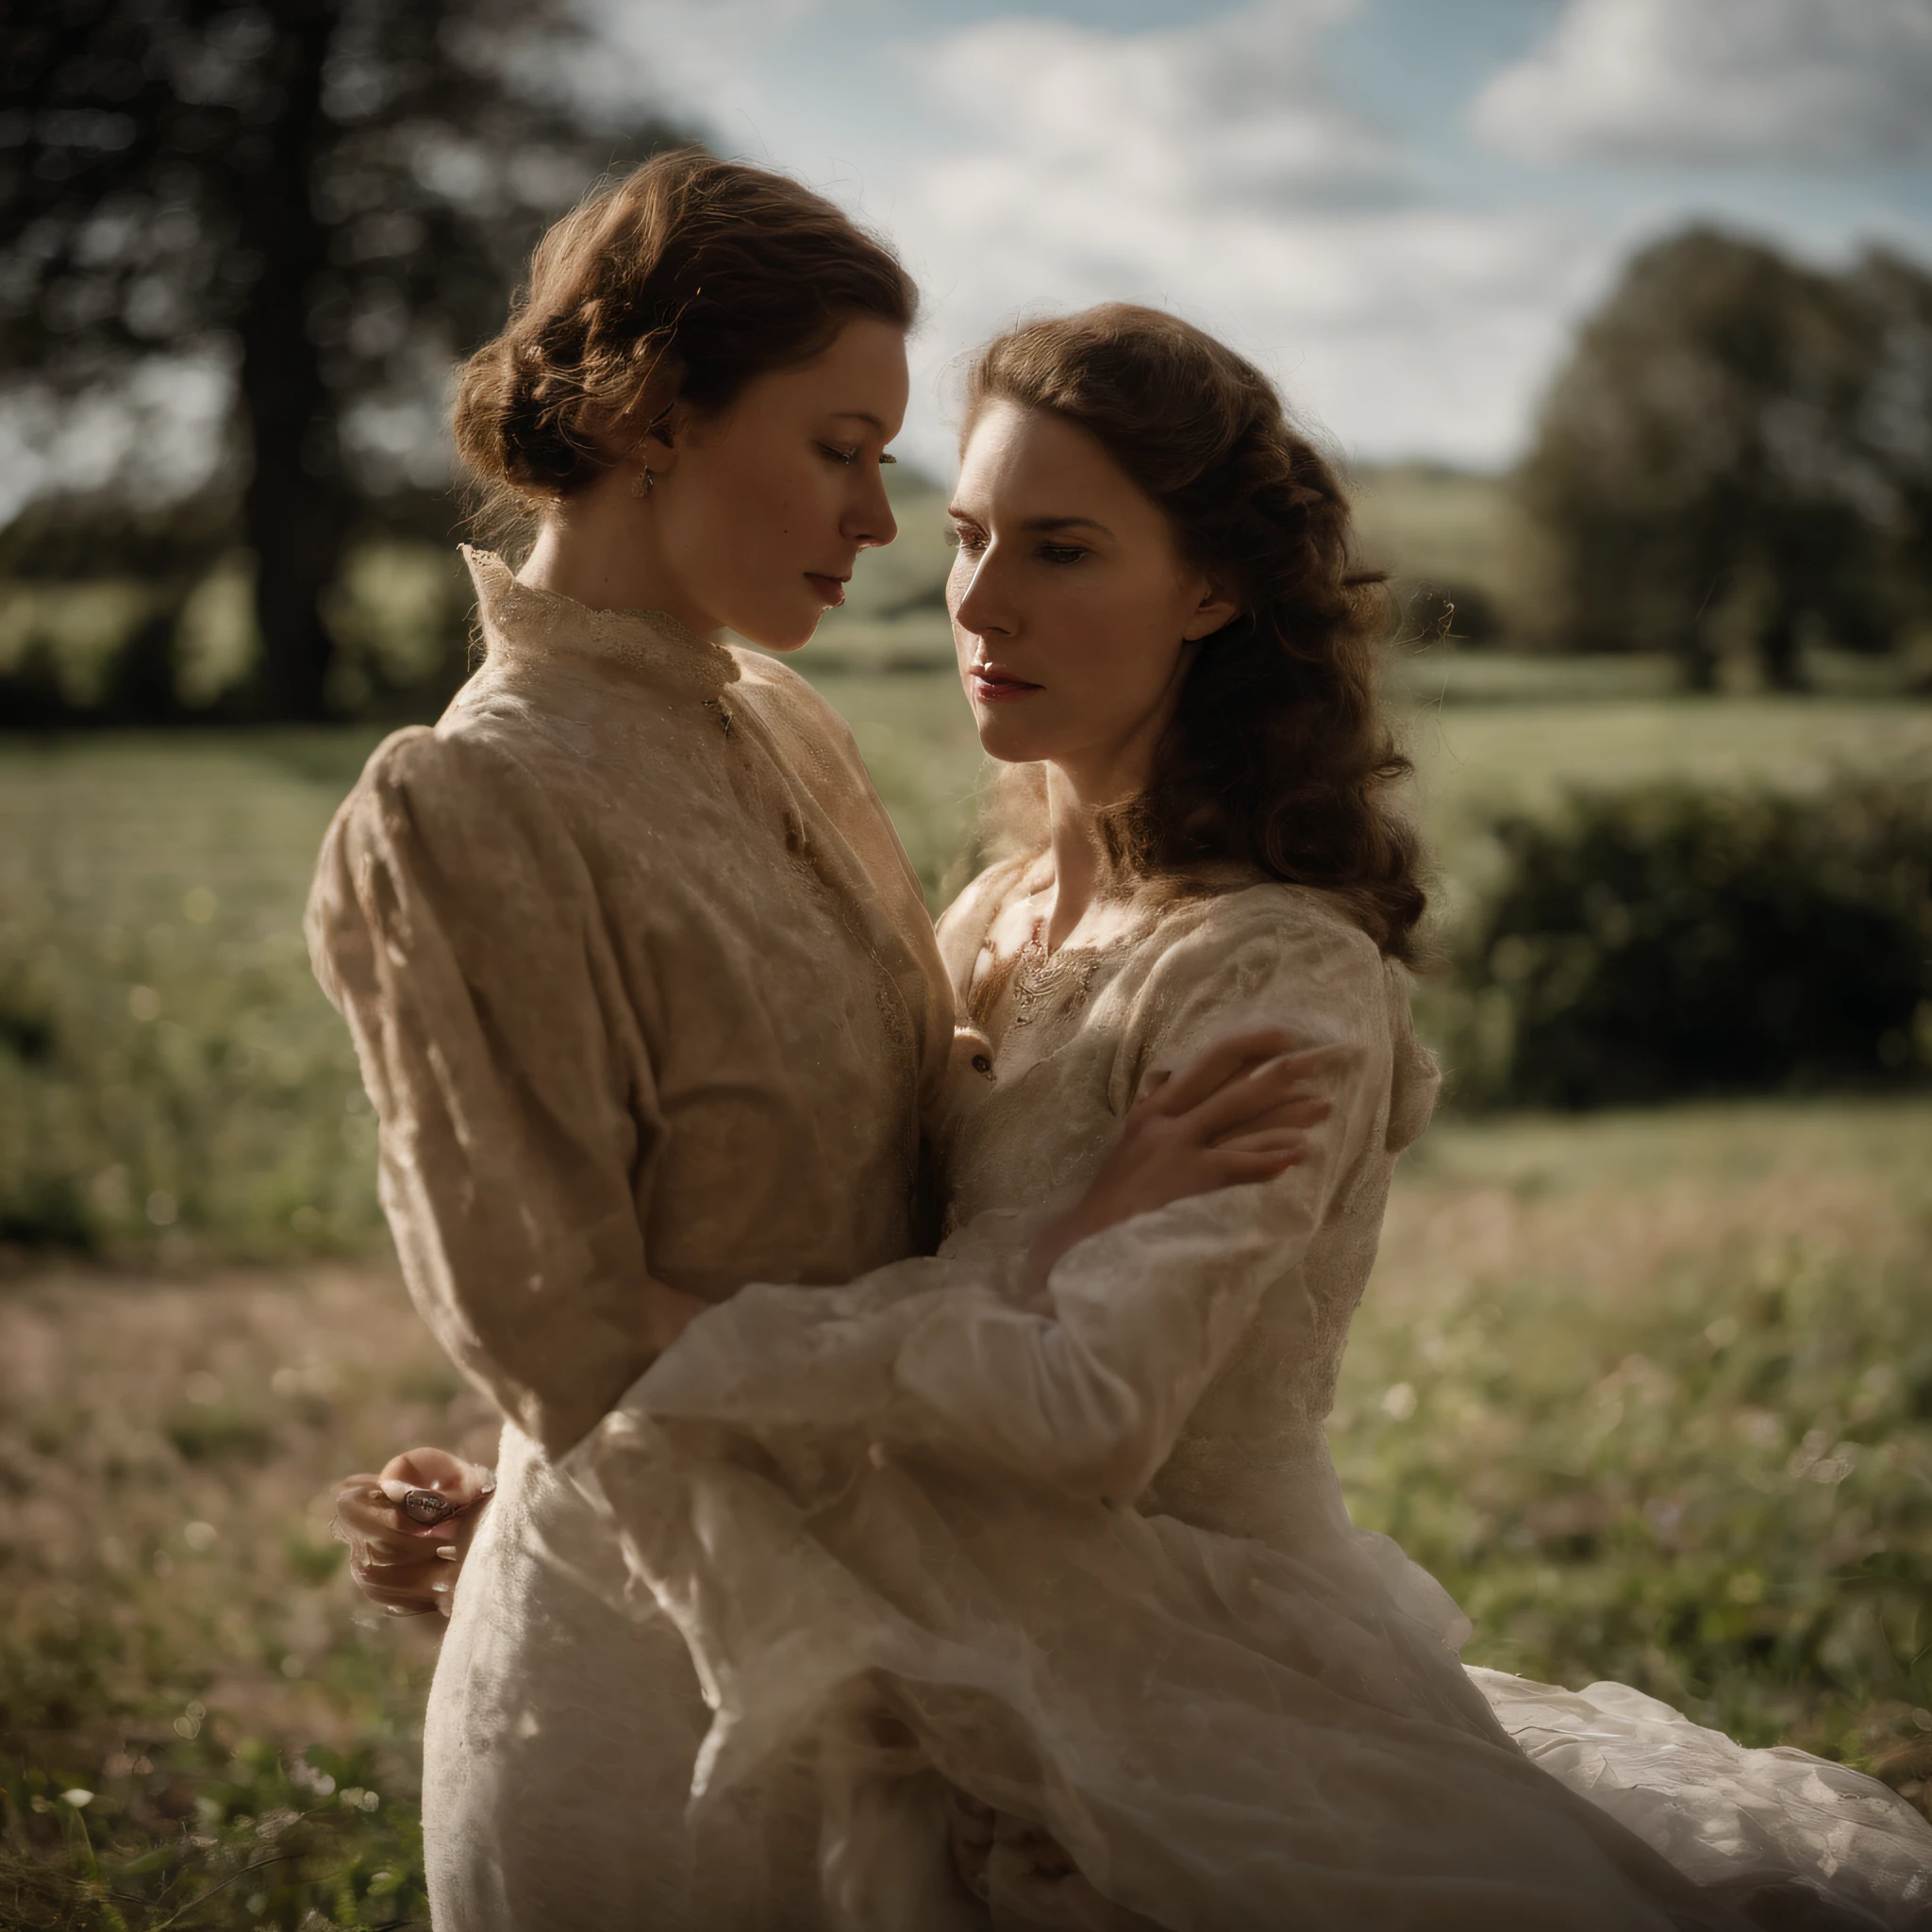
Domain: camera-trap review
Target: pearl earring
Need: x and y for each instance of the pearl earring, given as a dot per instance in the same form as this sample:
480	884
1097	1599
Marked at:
642	486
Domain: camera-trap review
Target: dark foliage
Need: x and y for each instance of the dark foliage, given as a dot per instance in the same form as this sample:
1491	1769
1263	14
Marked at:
336	194
1738	456
1670	942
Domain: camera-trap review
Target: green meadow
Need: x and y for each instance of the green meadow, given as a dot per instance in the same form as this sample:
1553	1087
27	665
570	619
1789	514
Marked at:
173	1084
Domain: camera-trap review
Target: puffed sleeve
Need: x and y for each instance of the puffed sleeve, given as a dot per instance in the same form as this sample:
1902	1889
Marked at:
454	923
932	1360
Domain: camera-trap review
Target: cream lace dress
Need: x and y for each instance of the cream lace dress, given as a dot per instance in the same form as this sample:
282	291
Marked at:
1095	1570
646	995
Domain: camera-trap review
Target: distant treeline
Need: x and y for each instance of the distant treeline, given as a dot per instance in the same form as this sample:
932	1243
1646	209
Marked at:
1737	462
1733	467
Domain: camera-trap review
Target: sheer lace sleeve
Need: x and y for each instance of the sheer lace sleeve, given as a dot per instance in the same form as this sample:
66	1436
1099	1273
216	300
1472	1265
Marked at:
932	1359
453	924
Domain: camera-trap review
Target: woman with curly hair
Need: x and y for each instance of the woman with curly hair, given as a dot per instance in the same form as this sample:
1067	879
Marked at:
1036	1547
1030	1553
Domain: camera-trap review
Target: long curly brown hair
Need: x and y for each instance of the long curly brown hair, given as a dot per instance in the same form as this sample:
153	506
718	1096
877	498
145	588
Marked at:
1279	756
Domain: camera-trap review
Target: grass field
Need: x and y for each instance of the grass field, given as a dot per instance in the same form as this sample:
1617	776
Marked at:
1652	1394
175	1076
176	1084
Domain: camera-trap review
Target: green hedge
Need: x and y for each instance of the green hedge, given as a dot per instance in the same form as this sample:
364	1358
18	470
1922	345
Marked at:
1669	940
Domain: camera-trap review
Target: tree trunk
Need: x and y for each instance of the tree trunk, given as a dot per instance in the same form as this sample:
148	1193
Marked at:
296	514
1696	660
1777	649
1694	643
142	690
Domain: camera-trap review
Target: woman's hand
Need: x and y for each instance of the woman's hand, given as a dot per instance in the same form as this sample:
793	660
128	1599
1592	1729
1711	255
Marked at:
409	1528
1240	1111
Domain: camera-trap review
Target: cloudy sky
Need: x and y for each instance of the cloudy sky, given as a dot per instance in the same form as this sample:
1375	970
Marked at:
1398	207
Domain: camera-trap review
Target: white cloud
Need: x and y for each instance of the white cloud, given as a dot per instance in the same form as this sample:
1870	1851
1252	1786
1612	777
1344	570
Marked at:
1237	110
1412	299
1215	170
1804	82
706	61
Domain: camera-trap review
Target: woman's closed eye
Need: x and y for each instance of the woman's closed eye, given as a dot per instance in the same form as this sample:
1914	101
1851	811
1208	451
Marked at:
846	457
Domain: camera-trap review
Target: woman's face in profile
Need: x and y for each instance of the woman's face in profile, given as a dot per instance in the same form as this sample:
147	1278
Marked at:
1073	612
762	510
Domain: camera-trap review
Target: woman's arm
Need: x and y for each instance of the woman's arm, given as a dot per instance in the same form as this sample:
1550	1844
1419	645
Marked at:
1090	1397
1239	1113
454	923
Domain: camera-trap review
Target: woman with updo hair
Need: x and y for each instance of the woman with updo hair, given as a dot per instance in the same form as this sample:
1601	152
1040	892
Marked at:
647	999
1029	1554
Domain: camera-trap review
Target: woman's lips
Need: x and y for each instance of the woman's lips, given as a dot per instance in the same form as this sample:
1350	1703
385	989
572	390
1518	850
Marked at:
991	685
831	590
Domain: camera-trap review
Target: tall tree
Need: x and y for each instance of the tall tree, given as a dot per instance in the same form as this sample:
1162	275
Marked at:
1895	418
1722	461
338	193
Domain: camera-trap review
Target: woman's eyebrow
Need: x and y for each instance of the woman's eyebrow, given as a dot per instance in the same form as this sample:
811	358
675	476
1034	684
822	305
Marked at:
1066	524
865	416
1037	525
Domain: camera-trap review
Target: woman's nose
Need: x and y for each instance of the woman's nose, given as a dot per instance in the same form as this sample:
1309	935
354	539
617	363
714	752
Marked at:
981	607
871	522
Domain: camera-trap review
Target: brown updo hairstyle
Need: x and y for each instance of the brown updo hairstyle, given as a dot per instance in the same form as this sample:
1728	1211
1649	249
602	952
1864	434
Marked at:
683	282
1279	758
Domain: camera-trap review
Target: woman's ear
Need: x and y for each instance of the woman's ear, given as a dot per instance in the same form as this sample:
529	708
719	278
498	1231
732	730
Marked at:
1218	607
643	436
662	435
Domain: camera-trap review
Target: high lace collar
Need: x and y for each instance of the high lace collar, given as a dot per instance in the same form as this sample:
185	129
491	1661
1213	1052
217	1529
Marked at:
521	621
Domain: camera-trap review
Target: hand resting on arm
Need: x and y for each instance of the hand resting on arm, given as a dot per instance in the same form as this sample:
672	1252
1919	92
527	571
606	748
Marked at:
1238	1112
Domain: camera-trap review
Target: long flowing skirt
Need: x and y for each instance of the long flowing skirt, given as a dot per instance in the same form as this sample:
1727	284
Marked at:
1225	1733
563	1729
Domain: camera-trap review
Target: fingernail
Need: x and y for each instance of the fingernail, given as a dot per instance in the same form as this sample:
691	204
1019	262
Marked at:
442	1589
448	1552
